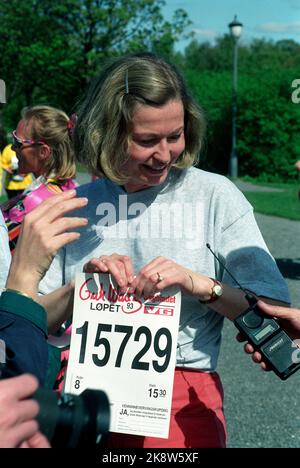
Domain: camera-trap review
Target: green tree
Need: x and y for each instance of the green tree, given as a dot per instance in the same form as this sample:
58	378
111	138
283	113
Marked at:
268	122
212	90
260	54
213	57
268	125
49	49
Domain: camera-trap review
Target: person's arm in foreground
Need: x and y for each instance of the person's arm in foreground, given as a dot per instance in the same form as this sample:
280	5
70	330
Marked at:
18	427
44	232
290	321
59	303
23	322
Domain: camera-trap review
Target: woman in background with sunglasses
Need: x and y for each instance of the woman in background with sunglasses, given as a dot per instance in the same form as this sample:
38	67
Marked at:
43	145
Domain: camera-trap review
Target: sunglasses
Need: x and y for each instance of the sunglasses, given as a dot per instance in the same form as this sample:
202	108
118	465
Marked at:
19	142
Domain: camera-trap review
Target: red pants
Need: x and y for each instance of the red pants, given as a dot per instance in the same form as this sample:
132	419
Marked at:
197	418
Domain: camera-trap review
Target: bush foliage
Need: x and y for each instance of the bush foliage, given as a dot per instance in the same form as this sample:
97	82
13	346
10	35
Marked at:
268	122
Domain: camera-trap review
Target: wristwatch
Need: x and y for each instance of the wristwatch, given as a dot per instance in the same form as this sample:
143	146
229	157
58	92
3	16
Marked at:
216	292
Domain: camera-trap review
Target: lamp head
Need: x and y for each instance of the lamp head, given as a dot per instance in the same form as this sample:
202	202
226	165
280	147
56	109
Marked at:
235	28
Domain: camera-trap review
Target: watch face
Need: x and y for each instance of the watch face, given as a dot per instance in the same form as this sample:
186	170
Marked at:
218	290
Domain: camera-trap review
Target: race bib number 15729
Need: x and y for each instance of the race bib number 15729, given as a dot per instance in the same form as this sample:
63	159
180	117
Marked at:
125	346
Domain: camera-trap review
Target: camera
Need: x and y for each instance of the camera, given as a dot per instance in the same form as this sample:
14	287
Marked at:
73	421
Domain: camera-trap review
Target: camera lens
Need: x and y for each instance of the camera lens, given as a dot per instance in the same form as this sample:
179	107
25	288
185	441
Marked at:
70	421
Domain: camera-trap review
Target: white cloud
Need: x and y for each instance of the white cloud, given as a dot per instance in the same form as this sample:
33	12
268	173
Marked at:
279	27
206	33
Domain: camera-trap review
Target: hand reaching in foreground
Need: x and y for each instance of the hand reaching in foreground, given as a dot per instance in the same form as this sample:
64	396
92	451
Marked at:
18	427
44	231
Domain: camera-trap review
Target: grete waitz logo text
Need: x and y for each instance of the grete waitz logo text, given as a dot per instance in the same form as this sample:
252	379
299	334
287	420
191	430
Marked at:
101	300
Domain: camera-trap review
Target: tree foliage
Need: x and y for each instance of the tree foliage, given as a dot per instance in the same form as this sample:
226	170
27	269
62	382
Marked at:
268	122
49	49
260	54
269	137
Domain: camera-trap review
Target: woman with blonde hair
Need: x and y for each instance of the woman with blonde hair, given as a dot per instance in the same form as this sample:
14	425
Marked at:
151	215
43	145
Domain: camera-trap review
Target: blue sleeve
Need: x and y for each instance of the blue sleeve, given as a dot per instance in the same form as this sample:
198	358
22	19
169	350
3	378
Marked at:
23	335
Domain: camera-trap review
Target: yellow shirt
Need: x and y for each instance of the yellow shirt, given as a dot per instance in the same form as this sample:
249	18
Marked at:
11	181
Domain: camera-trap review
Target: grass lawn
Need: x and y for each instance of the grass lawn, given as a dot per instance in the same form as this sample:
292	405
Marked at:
283	204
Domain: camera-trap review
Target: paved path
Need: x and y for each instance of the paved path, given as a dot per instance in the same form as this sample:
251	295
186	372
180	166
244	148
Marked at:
247	186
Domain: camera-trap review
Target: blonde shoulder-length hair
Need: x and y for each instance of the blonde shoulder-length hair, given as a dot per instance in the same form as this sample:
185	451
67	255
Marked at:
103	131
50	125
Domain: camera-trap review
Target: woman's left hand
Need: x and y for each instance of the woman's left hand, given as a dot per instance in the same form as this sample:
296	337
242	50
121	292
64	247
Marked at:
163	272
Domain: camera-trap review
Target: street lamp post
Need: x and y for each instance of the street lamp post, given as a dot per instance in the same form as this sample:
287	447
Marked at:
235	28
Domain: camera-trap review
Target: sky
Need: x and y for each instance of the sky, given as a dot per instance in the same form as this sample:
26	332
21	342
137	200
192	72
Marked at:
271	19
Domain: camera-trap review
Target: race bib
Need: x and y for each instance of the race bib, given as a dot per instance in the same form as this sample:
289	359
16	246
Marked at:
125	346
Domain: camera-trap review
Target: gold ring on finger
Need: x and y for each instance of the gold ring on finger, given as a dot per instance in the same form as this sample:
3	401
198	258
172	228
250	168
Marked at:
159	277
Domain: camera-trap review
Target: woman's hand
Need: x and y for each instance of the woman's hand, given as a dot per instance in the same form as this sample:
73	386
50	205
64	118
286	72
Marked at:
44	231
152	278
163	272
18	426
119	266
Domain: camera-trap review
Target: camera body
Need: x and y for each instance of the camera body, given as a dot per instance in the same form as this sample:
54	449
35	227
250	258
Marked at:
73	421
267	336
